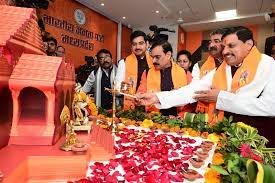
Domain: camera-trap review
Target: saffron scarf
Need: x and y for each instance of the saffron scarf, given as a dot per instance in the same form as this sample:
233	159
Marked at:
154	80
208	66
131	75
243	76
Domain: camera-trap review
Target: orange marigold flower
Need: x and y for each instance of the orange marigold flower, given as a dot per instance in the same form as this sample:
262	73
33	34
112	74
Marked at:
83	95
217	159
204	135
212	176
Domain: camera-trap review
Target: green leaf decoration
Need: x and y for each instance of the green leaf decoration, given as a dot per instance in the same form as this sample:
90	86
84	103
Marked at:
219	169
235	178
259	173
251	171
230	166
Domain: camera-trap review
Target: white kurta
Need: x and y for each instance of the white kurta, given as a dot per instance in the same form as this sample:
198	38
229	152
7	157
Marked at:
255	99
94	80
196	72
120	75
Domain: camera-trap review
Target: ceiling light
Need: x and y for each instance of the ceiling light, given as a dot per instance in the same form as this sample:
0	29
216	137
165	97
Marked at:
102	4
226	14
124	18
157	11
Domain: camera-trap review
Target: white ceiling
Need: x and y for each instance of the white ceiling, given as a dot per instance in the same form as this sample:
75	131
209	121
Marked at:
197	14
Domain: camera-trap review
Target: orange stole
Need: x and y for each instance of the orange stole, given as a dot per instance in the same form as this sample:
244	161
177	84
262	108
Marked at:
131	73
243	76
154	80
208	66
188	107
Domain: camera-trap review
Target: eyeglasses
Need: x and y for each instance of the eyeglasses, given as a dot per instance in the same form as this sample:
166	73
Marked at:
104	58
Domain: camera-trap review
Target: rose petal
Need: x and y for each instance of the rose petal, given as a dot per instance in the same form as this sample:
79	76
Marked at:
174	154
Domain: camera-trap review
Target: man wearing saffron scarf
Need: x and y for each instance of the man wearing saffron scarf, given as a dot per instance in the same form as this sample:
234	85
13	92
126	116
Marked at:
135	66
102	78
243	86
165	75
214	59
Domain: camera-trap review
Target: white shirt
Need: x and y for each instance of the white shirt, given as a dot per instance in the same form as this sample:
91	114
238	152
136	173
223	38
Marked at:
120	75
196	72
255	99
91	81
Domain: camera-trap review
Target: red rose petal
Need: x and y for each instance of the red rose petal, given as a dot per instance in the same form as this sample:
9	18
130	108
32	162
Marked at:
150	179
174	154
164	178
111	179
147	151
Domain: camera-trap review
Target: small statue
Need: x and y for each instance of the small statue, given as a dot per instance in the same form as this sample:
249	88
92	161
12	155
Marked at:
82	107
80	102
65	115
79	108
70	134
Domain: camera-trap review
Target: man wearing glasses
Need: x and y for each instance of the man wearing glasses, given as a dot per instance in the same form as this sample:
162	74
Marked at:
133	68
102	78
166	75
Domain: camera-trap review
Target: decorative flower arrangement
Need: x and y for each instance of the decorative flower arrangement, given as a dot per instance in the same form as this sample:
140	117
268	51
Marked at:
150	156
241	146
85	101
247	152
241	154
217	159
147	123
212	176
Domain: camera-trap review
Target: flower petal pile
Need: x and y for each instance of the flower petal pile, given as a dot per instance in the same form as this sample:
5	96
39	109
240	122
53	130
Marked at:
148	156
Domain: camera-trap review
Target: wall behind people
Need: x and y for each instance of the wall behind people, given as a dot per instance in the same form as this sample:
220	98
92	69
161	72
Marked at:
264	31
173	37
125	42
260	33
63	20
193	40
181	39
